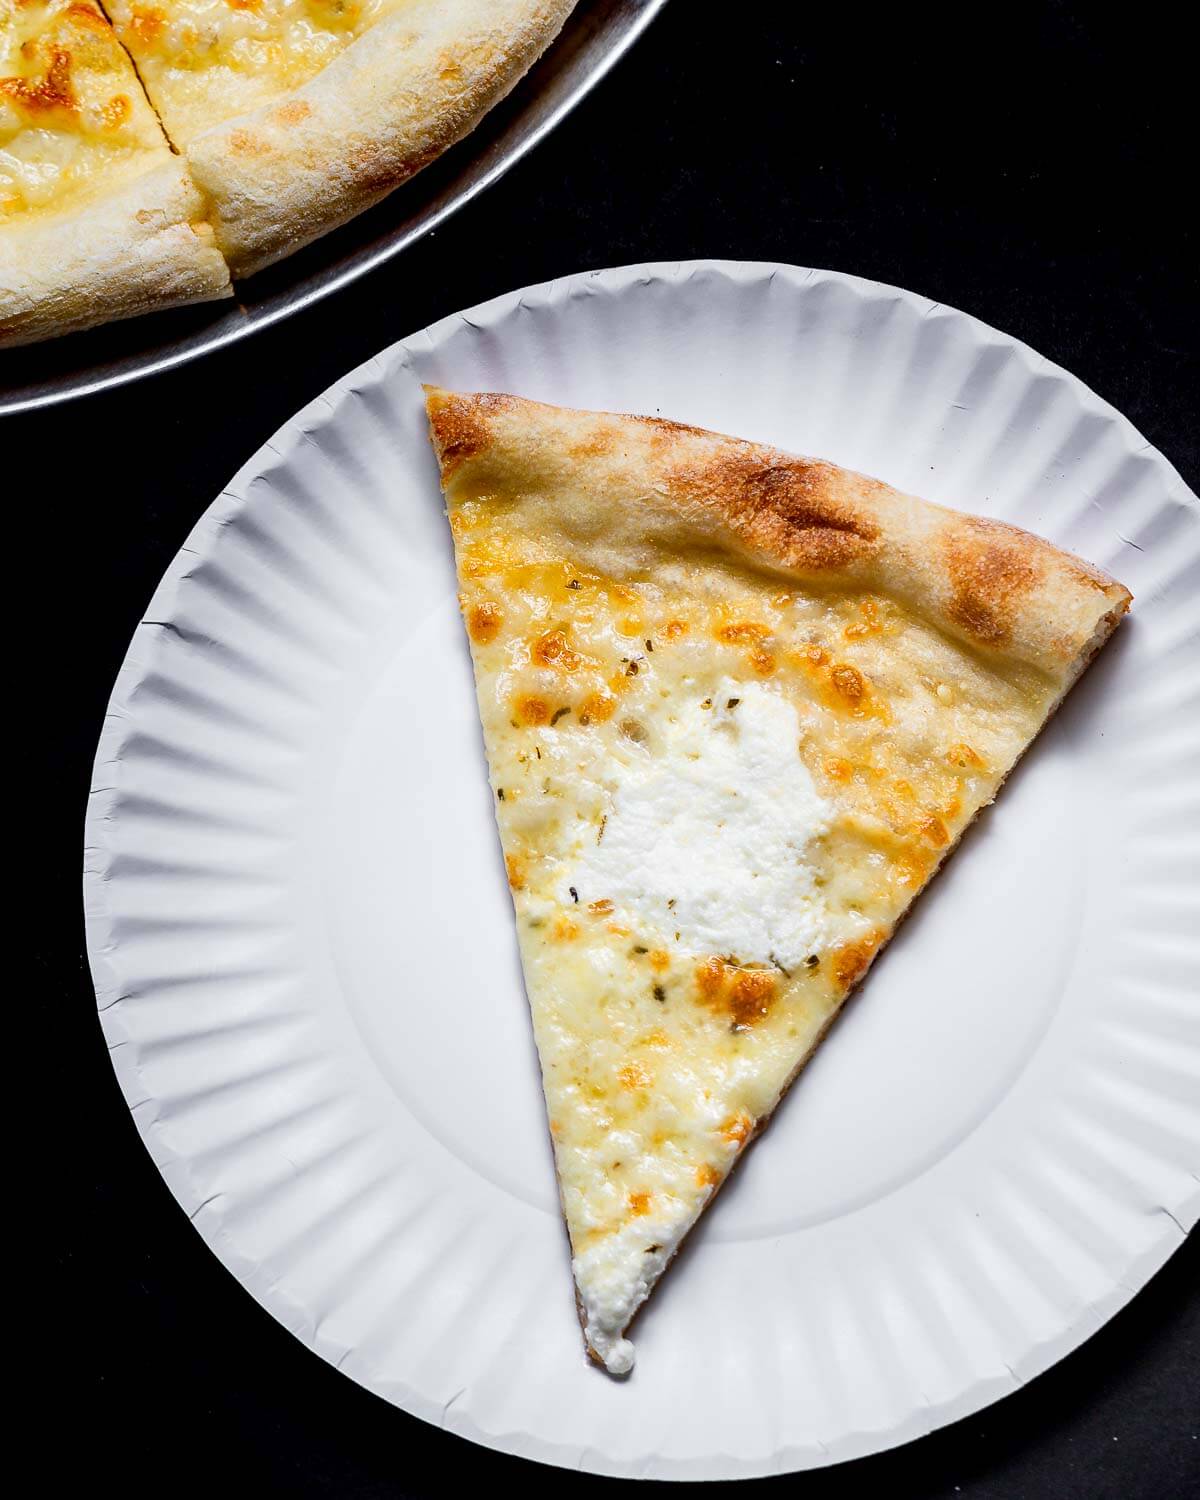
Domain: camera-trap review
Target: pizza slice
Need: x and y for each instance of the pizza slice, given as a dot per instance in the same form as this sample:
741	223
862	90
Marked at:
98	219
294	115
738	707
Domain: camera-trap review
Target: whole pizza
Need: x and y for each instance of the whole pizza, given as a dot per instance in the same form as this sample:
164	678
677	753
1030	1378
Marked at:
152	150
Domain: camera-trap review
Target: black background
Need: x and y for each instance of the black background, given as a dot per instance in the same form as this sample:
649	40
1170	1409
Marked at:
1028	163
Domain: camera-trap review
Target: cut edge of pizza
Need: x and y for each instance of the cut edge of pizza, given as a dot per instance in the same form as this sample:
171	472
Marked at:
319	134
117	227
738	706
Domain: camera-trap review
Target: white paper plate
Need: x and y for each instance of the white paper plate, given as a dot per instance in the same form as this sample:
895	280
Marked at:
302	947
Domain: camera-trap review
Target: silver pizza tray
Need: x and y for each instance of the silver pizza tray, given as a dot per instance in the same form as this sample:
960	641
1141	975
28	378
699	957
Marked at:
597	33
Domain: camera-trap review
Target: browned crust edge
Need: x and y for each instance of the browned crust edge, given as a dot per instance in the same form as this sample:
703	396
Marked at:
662	486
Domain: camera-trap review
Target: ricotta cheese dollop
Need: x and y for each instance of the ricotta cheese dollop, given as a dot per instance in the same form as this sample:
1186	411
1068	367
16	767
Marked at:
710	829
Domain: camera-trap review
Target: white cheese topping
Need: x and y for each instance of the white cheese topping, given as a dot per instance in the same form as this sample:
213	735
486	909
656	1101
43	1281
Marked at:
709	831
614	1277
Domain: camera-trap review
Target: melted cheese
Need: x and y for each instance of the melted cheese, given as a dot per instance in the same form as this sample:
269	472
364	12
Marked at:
73	119
716	794
205	61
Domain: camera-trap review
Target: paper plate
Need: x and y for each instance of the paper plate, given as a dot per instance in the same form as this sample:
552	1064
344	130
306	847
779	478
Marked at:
306	970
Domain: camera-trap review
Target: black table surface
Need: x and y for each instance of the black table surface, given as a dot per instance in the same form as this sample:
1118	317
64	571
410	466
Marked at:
1030	164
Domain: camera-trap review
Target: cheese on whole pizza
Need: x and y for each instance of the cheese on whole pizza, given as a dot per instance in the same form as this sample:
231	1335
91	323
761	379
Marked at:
247	129
98	220
738	707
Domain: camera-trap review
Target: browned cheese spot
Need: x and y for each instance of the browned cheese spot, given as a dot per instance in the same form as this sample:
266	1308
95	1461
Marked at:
935	831
484	621
516	871
639	1204
738	1129
707	1176
52	91
762	661
114	114
908	868
749	633
742	633
596	708
848	683
551	650
745	996
870	624
532	710
963	756
850	961
634	1076
147	25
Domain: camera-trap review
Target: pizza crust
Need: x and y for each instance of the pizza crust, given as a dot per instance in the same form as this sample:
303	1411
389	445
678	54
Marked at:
146	247
995	587
290	171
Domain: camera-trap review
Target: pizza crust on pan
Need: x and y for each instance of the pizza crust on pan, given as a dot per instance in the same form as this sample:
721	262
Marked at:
291	116
145	248
738	706
398	95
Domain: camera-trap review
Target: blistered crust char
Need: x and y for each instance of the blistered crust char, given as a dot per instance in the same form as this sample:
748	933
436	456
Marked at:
786	508
461	429
626	490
